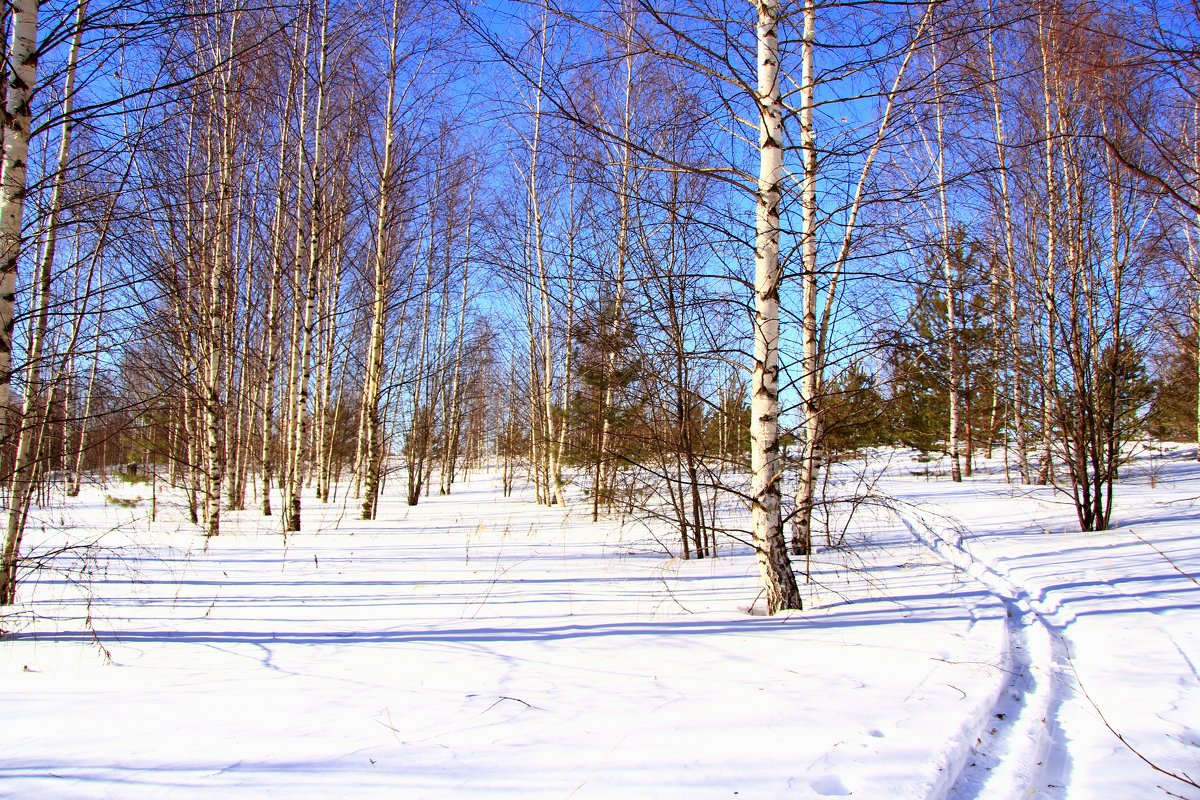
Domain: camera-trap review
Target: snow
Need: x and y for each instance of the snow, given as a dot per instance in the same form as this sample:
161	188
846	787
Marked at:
970	644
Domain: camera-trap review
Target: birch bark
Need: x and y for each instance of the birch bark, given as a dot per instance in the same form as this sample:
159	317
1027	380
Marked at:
1015	365
779	582
271	333
811	367
454	414
22	75
546	456
954	376
1048	277
624	222
417	448
28	438
372	381
316	217
814	348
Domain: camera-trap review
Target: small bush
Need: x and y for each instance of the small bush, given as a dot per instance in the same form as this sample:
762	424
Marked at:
123	502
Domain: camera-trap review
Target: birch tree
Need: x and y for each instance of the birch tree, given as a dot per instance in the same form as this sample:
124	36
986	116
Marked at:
779	582
818	307
1164	152
373	379
1016	368
37	402
310	280
454	417
271	335
20	81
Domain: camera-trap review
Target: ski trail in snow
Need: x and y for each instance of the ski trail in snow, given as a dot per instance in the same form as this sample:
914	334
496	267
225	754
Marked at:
1014	749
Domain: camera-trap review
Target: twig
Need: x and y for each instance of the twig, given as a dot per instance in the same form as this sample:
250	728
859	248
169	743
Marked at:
91	628
1165	556
981	664
1181	776
389	725
671	594
754	602
502	698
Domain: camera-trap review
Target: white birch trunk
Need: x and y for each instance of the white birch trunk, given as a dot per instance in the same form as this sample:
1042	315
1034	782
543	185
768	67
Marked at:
372	381
218	273
779	582
569	333
811	367
238	374
954	375
1016	367
437	376
418	436
326	418
546	466
22	64
76	477
291	410
814	350
623	230
316	218
29	436
454	419
271	334
1049	278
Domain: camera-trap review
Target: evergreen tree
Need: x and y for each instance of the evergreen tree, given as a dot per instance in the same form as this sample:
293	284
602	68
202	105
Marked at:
856	413
917	356
1172	410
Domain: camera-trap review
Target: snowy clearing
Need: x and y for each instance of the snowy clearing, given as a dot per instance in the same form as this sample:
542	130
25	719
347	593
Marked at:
969	645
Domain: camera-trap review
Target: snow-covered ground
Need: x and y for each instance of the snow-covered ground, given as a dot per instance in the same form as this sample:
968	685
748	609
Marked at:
969	645
1112	620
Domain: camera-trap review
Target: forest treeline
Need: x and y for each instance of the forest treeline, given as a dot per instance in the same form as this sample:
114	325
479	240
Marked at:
671	253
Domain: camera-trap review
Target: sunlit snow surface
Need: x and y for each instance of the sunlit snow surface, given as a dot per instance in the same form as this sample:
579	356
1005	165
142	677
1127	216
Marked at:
476	646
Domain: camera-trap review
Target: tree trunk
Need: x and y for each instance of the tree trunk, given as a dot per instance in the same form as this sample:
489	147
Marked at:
954	373
316	220
372	381
417	449
814	348
271	334
779	582
1049	277
454	414
1015	364
810	378
35	407
22	63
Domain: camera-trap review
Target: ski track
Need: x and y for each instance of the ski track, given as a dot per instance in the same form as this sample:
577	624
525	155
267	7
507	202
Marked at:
1014	748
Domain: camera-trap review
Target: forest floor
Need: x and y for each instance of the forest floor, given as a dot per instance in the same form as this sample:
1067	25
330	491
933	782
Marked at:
963	641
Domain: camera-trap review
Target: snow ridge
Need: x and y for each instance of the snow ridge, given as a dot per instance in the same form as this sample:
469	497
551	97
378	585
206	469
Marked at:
1013	749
